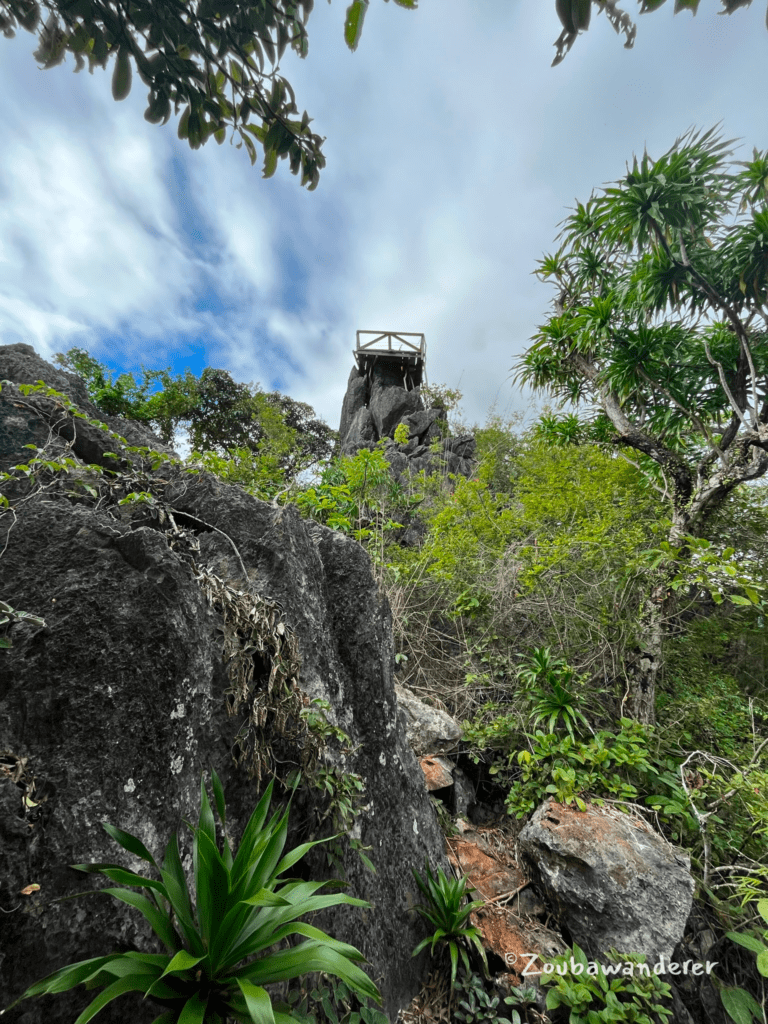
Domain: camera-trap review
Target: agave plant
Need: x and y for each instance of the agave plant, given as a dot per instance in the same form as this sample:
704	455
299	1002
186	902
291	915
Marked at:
547	679
446	912
221	946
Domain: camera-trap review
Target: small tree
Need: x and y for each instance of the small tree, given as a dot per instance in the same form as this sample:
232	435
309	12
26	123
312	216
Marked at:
659	326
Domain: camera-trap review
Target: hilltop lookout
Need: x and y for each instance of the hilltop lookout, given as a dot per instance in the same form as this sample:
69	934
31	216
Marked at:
400	361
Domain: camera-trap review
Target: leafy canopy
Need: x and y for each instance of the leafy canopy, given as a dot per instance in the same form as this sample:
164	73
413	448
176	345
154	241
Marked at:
659	322
237	429
216	61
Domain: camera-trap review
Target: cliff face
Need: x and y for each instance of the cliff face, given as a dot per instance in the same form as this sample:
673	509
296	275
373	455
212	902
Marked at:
110	711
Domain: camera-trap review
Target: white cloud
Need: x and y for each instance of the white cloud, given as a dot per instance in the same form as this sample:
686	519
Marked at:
453	151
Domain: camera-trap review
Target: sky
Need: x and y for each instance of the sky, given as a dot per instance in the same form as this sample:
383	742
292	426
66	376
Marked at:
453	151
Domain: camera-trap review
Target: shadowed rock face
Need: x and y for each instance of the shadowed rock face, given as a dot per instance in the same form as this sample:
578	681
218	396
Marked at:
118	702
611	880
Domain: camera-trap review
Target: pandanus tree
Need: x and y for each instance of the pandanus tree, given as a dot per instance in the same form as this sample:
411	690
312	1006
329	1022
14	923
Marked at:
659	326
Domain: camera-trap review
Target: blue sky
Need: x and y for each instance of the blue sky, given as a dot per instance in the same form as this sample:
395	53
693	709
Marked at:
453	150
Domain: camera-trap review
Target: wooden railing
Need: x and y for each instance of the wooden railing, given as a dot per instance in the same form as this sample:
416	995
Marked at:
376	344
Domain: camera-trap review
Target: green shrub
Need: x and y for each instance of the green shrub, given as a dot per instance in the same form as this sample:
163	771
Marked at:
474	1005
617	765
330	1001
740	1006
547	683
242	908
595	998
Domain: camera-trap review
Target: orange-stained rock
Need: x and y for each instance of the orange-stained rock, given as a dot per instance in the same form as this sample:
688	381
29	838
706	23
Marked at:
522	944
504	932
488	875
437	772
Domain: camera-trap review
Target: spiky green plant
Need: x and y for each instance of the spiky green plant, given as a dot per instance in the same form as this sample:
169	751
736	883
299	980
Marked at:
446	912
547	680
222	947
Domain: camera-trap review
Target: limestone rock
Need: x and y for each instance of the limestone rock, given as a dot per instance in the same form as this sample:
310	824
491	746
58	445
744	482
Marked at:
429	730
463	796
494	873
354	400
28	415
390	404
361	432
611	880
119	702
375	404
464	446
420	423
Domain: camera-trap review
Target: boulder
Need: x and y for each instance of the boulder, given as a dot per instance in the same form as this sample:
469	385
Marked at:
116	703
464	446
610	878
438	772
420	423
429	730
463	795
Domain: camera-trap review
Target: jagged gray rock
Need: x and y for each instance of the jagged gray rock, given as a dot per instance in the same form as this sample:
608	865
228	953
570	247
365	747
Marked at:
389	404
118	702
375	406
31	416
611	880
463	796
361	433
355	399
429	730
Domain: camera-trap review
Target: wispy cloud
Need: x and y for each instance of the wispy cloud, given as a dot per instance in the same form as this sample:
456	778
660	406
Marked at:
453	151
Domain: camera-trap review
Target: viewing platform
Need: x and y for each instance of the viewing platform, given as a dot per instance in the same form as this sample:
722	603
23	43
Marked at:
396	352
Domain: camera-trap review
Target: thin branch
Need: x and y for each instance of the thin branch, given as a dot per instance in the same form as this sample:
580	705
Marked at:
696	420
724	384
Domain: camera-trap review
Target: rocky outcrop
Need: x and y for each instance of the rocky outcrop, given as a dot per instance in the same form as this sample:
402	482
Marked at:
355	399
375	405
40	420
110	709
610	879
438	772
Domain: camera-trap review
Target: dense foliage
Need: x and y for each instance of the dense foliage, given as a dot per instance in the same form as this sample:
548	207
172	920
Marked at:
658	326
246	435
